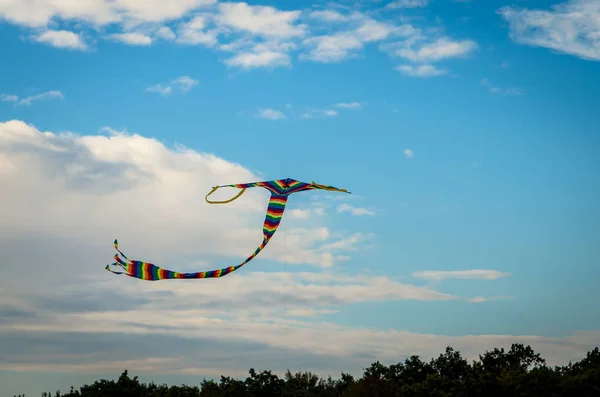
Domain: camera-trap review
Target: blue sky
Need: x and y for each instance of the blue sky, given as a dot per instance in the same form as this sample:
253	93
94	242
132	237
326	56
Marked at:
466	131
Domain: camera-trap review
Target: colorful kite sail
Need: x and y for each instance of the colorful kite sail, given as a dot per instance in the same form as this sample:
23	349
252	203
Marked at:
280	191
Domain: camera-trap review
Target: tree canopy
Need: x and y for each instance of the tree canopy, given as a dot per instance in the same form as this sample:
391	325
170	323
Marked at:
497	373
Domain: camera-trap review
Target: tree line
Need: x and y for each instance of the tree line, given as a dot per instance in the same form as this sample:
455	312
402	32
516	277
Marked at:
518	372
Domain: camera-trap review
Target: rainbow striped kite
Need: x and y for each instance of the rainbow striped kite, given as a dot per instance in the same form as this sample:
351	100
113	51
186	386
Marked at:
280	190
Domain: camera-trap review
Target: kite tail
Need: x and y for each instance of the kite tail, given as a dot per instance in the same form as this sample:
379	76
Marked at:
151	272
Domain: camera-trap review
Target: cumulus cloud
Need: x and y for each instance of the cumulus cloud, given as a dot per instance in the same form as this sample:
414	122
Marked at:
258	36
92	175
260	20
460	274
408	153
196	32
332	48
97	12
62	39
571	27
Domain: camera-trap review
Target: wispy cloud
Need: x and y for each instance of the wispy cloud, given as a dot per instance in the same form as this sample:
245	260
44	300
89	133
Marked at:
437	50
460	274
313	112
408	4
481	299
349	105
422	51
503	91
421	70
408	153
270	114
354	210
27	101
571	27
183	83
8	98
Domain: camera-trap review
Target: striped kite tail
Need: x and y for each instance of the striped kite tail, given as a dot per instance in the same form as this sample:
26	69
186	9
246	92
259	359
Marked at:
218	273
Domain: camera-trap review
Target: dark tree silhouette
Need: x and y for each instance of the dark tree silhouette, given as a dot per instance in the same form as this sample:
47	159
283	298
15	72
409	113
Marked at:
518	372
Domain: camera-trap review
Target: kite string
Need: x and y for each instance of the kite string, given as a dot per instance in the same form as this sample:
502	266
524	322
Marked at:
285	296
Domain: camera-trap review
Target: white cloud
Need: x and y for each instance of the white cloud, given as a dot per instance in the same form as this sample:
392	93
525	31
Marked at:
571	27
97	12
164	32
260	20
271	114
481	299
183	83
371	30
408	153
196	32
349	105
62	39
259	36
160	88
332	48
329	16
54	94
346	43
408	4
8	98
132	38
251	60
460	274
354	210
441	48
421	70
313	112
98	172
504	91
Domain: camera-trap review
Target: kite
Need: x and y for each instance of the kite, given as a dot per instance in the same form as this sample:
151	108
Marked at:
280	191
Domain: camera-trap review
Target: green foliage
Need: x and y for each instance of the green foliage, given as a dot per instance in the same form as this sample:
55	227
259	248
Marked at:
518	372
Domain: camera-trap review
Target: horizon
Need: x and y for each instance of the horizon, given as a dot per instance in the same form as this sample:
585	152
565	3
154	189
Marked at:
466	131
